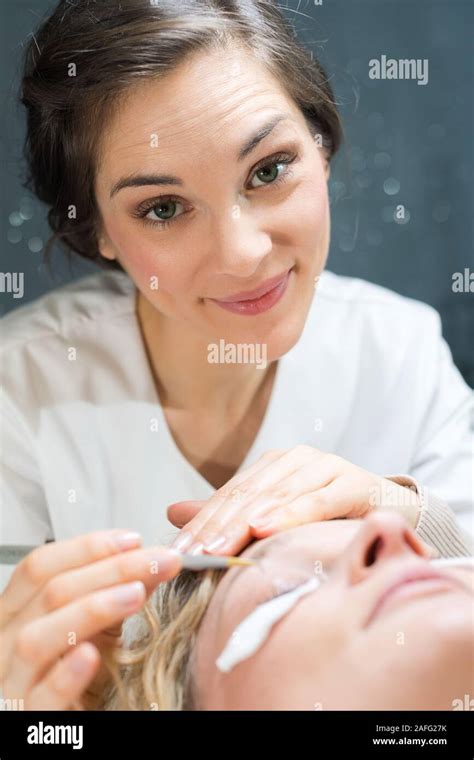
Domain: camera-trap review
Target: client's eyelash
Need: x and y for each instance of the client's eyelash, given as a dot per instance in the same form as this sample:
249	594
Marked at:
285	591
275	593
280	158
282	587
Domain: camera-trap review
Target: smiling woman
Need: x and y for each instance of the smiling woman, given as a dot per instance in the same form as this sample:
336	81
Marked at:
185	148
67	115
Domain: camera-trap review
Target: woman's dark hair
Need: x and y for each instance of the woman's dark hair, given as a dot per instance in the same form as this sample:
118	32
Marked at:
88	53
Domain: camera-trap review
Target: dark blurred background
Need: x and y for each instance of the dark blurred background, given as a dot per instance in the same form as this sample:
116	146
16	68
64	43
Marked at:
406	144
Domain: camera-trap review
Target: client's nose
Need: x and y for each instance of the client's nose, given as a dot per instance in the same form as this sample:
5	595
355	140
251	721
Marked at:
382	537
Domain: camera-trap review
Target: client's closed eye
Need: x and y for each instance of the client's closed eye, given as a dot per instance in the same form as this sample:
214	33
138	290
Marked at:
274	593
282	588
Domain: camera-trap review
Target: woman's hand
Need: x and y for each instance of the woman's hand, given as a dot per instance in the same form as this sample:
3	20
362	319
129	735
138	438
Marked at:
64	605
281	490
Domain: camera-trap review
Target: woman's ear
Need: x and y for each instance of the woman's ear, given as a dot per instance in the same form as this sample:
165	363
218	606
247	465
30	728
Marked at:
106	248
327	169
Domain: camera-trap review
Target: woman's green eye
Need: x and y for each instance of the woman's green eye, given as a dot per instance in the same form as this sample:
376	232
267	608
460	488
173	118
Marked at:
269	173
169	209
164	212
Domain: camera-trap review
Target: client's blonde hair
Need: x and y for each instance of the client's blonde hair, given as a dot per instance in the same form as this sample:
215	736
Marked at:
153	669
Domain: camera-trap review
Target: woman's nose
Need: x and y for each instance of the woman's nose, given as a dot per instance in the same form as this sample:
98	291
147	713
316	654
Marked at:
240	244
384	536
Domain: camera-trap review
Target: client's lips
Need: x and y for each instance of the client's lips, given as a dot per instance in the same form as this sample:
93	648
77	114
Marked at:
415	581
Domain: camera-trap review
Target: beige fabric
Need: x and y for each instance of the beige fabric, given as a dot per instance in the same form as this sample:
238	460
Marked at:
437	523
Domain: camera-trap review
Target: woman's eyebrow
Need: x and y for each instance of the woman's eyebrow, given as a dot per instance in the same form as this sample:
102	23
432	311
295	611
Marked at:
141	180
260	135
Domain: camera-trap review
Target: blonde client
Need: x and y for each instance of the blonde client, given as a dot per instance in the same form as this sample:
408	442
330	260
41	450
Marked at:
345	614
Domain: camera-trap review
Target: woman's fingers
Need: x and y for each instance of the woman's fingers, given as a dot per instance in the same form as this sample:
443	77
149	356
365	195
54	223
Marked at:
42	642
342	497
311	507
300	471
325	503
47	561
151	566
182	512
230	493
67	680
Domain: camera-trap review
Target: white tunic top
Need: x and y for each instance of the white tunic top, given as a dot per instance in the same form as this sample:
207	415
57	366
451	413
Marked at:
86	446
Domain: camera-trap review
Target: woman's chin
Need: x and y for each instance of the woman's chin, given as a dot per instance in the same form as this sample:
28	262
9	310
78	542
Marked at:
235	347
278	336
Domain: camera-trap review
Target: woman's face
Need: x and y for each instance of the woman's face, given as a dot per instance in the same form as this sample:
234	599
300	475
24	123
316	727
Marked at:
352	643
232	222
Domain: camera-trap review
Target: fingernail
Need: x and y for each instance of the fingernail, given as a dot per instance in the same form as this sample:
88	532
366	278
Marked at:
128	595
182	541
195	548
212	544
127	540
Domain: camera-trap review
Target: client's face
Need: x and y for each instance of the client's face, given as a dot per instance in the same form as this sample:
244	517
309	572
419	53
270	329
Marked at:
369	636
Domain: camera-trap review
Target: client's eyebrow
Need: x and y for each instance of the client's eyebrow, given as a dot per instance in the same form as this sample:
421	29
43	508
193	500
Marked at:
140	180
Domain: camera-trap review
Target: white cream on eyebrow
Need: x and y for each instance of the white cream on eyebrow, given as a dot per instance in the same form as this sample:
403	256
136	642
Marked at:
254	630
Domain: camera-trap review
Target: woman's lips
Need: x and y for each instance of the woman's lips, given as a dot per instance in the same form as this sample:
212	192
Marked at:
415	582
258	300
